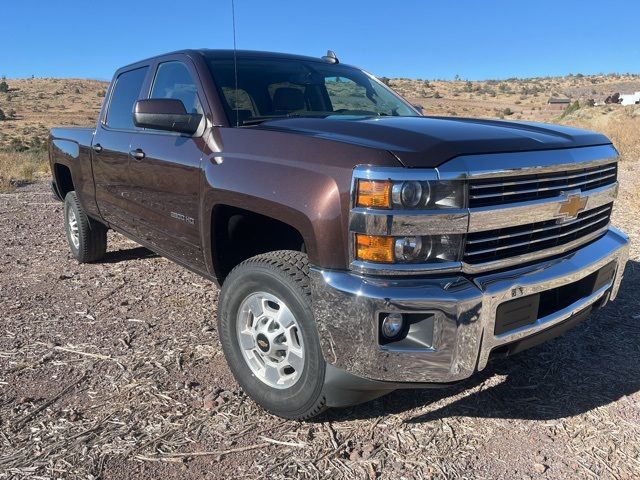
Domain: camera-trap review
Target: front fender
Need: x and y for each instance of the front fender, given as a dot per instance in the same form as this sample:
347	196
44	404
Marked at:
300	180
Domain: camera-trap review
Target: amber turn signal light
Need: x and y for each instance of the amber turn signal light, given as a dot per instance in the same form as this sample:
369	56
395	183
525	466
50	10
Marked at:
373	193
374	248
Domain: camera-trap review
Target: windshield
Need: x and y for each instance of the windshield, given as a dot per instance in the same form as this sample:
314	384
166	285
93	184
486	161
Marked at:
279	88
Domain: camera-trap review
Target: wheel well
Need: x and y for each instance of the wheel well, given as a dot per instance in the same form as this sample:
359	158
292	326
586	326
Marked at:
238	234
63	179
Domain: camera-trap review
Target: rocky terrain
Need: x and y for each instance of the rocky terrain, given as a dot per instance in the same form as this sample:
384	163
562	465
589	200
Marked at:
114	371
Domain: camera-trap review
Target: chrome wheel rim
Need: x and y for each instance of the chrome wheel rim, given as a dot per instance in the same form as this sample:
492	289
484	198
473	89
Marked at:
270	339
74	233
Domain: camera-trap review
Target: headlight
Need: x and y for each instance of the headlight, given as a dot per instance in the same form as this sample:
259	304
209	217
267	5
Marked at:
424	195
414	249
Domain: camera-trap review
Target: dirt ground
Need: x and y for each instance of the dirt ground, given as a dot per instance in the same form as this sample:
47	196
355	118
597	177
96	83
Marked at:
114	371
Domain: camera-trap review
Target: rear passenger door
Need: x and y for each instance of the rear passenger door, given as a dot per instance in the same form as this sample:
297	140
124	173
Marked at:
166	171
111	146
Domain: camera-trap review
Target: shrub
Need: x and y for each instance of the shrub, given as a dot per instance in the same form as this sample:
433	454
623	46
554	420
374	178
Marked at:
4	87
102	93
570	109
437	95
37	144
2	115
507	111
384	80
17	145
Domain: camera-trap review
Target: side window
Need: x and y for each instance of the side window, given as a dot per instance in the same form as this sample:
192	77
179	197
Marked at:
173	80
126	92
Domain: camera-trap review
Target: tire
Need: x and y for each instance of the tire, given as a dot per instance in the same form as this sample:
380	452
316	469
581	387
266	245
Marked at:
87	238
247	306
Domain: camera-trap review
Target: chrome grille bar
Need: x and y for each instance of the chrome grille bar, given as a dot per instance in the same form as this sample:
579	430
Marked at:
491	192
593	213
569	186
496	245
547	179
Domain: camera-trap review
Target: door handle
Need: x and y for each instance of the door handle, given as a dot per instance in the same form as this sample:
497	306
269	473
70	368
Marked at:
97	148
138	154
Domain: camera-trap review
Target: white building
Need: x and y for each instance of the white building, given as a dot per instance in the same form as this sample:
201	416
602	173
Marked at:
631	99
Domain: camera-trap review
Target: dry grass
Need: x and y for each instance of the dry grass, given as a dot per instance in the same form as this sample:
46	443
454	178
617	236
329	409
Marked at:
18	168
620	124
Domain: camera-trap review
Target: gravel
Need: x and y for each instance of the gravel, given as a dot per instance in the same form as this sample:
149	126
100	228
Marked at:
114	371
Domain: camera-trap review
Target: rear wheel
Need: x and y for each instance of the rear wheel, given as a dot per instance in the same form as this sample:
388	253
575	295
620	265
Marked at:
87	237
269	336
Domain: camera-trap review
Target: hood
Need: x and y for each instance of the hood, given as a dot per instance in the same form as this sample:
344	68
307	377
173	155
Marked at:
431	141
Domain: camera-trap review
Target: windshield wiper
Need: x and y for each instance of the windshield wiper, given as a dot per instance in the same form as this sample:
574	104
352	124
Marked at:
266	118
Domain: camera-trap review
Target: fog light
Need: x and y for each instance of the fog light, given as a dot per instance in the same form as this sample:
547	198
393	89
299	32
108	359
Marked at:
392	325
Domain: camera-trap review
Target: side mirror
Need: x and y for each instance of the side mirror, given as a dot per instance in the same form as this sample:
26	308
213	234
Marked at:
165	114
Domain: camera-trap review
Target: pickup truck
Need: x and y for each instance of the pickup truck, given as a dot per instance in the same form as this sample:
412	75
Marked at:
360	247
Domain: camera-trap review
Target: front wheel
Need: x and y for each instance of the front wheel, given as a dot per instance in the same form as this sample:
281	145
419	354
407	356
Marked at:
269	336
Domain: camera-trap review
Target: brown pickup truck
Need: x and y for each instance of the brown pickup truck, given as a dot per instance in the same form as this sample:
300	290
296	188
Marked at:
360	246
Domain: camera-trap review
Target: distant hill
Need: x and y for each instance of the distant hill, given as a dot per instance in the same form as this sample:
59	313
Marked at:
524	99
32	106
41	103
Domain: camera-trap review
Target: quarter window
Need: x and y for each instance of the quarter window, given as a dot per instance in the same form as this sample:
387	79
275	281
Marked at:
126	92
173	80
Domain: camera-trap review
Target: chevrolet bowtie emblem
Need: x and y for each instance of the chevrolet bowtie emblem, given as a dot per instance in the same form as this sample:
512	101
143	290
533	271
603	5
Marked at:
572	206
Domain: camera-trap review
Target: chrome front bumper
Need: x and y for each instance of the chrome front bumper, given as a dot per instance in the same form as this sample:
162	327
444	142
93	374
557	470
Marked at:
464	309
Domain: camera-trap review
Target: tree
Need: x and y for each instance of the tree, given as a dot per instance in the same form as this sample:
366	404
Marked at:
4	87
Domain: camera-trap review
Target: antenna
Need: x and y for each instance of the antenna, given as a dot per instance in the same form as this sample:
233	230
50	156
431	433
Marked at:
235	60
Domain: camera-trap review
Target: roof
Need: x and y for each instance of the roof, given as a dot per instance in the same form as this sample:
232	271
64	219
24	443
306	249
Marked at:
559	100
229	54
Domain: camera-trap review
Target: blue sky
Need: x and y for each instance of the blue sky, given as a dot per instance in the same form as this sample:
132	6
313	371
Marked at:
403	38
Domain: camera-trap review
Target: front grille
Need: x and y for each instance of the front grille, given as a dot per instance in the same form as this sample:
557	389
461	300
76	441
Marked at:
493	191
508	242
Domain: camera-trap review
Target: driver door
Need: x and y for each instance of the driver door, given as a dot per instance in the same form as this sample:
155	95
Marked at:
166	171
